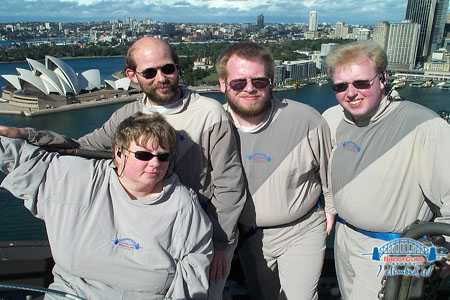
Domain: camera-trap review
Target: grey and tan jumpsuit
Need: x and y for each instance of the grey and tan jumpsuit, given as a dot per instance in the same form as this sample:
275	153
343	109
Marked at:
106	245
283	237
381	170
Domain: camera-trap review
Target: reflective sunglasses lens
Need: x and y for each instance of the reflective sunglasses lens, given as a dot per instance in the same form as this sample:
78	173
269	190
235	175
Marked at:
260	83
149	73
340	87
238	84
146	156
361	84
168	69
163	156
143	155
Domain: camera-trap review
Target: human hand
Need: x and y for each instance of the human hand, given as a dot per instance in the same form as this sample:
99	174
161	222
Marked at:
329	222
219	265
13	132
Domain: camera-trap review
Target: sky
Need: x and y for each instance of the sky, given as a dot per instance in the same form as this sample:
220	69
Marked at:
204	11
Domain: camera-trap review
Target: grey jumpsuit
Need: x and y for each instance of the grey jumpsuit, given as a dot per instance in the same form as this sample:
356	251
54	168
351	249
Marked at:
106	245
285	162
380	172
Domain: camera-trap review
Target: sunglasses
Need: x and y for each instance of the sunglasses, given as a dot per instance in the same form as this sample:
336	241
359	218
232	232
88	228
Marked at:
239	84
358	84
146	156
150	73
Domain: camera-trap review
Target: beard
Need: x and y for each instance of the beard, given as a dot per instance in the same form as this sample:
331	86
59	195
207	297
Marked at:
151	91
254	110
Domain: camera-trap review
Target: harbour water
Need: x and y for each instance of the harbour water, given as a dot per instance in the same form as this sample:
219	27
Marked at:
16	223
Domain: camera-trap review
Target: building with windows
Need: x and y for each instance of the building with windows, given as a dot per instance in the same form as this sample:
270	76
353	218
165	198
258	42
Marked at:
313	20
381	34
431	15
402	45
260	21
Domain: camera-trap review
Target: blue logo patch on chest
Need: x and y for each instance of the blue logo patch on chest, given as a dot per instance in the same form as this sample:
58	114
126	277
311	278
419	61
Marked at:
351	146
126	243
259	157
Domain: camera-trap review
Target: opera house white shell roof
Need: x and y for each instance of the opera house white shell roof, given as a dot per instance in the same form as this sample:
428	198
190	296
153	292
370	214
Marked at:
57	77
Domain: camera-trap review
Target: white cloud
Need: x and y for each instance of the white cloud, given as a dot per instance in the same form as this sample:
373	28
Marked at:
350	11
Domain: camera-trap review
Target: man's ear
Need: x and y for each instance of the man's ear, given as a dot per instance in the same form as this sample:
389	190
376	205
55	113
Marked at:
223	85
131	74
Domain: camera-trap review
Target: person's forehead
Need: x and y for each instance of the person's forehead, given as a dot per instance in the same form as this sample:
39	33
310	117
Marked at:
152	56
239	66
150	145
358	68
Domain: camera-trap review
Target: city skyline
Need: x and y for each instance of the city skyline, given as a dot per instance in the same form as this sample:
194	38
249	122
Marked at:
203	11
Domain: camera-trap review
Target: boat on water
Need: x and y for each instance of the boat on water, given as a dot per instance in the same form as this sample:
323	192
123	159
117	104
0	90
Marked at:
322	82
444	85
419	83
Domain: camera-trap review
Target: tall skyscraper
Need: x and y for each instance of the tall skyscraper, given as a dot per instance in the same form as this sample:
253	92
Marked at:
402	45
260	21
381	34
313	20
437	35
430	14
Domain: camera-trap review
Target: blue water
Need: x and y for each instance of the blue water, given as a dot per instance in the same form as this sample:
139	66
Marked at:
16	223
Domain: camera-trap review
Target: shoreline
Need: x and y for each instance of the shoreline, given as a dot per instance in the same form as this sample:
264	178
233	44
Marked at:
65	57
7	109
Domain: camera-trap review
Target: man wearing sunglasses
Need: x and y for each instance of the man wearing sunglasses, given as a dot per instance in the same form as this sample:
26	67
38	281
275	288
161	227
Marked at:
389	166
285	147
207	159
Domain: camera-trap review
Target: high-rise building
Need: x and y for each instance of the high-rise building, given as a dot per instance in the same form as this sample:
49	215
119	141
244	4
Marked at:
440	16
325	49
361	34
381	34
430	14
313	20
260	21
341	30
402	45
300	70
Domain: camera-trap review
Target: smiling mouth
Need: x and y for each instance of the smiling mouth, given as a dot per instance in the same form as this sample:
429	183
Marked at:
354	102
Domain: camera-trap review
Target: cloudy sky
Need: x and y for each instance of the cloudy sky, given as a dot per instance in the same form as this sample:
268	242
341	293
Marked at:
229	11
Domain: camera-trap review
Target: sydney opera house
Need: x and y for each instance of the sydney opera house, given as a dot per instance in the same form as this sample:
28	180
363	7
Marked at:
56	84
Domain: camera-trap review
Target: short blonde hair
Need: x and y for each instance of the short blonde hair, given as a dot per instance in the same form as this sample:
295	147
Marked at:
353	52
249	51
141	128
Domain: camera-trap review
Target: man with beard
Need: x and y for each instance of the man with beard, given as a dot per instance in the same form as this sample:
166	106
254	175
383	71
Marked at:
207	158
285	147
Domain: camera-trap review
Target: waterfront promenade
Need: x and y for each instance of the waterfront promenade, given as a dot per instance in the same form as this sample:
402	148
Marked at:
9	109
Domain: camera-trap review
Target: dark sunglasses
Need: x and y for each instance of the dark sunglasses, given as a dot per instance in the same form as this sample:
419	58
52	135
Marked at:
150	73
146	156
358	84
240	84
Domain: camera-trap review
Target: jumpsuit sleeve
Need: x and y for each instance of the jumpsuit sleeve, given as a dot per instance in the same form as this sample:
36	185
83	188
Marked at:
195	250
229	184
25	167
99	139
322	152
435	165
